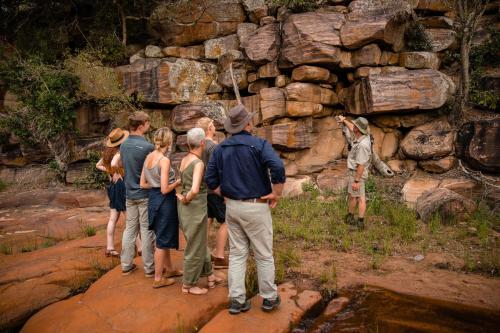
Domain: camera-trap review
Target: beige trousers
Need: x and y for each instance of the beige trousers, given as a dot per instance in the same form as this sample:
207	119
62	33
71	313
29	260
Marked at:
250	225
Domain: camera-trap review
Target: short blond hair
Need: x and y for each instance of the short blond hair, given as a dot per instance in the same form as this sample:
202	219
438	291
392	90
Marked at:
137	119
203	123
163	138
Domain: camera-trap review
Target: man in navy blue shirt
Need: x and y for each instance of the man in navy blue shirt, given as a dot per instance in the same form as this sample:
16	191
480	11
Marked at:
249	174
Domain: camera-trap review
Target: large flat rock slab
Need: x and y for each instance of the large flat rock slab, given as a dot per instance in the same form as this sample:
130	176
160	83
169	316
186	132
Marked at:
31	281
117	303
294	305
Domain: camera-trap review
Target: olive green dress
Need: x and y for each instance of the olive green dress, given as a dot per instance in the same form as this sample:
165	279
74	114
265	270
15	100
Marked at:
193	223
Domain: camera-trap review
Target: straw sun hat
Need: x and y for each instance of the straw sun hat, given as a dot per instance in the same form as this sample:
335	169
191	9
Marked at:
116	137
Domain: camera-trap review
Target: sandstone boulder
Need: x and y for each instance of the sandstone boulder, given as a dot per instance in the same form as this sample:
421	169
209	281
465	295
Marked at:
311	38
240	76
389	58
215	48
327	144
185	116
427	141
418	60
478	144
272	103
390	145
167	81
441	165
295	303
193	22
414	188
196	52
365	26
441	39
368	55
281	81
245	30
256	9
467	187
288	136
334	179
402	166
263	45
311	74
409	120
256	86
294	186
153	51
447	204
269	70
308	92
423	89
435	5
302	109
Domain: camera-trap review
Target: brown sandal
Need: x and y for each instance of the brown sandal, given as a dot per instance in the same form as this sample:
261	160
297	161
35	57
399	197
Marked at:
173	273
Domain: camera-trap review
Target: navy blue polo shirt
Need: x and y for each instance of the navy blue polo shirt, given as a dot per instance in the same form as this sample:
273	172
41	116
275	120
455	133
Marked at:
244	166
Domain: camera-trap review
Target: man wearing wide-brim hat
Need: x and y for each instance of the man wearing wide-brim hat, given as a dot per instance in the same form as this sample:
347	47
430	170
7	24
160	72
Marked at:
358	163
250	175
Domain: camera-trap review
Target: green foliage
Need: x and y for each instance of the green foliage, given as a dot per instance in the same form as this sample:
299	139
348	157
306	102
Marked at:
310	189
416	39
48	93
481	57
296	6
107	48
5	248
94	178
86	229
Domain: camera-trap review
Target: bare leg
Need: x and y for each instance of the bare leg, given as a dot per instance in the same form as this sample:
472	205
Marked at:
159	263
362	207
352	204
168	261
110	230
221	240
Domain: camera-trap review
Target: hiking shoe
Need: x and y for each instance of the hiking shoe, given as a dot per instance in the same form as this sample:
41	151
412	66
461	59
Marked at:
163	282
149	274
236	307
361	224
349	219
130	270
268	305
221	263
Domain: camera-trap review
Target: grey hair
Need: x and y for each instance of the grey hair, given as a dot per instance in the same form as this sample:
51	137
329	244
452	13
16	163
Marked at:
194	137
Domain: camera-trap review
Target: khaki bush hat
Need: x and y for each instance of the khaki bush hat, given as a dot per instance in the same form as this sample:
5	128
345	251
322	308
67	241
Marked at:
362	124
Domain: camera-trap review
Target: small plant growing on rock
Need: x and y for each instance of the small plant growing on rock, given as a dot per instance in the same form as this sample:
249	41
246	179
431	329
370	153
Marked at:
87	229
5	248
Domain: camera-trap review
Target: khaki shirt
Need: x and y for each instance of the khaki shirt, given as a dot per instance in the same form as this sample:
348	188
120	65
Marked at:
360	154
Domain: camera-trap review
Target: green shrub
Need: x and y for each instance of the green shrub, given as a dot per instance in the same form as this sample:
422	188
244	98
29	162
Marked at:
94	178
86	229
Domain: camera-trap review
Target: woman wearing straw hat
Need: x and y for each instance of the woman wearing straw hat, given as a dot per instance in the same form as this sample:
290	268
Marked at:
116	188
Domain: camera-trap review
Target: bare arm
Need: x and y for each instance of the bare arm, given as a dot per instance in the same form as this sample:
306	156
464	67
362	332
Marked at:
144	183
100	165
347	123
164	175
274	196
116	162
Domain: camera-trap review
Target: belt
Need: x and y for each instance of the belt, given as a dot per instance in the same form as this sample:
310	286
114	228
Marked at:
254	200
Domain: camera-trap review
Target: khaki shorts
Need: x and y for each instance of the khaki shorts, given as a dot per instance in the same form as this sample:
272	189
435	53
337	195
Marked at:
359	193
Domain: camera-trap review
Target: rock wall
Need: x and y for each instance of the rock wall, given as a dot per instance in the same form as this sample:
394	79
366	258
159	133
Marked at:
299	70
